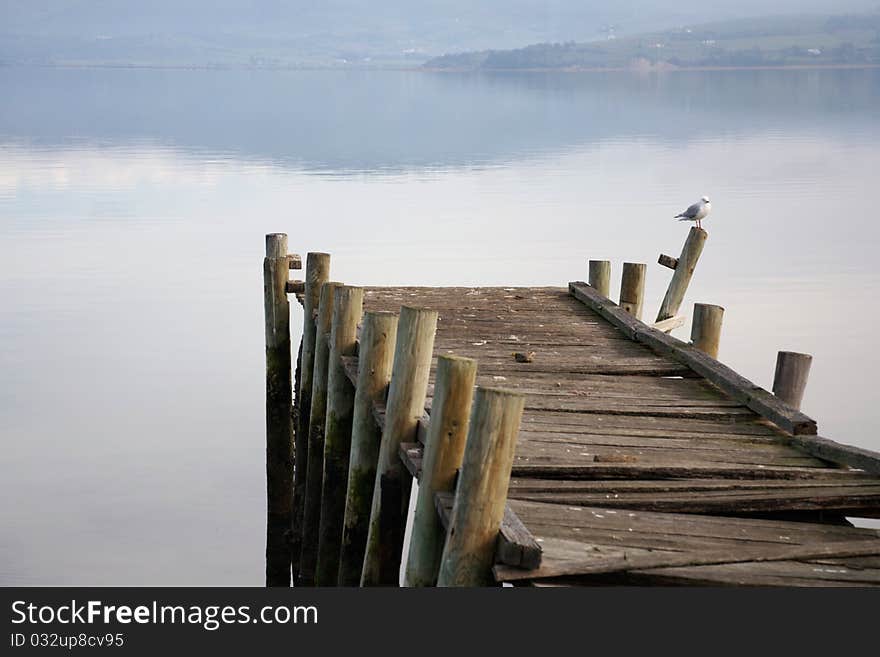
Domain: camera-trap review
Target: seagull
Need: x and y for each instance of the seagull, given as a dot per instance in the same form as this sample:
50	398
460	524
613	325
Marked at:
697	212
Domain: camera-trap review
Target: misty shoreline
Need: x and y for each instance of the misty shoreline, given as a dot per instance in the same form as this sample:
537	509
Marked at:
664	68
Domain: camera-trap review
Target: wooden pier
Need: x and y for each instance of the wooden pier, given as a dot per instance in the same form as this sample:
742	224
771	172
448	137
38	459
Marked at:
597	449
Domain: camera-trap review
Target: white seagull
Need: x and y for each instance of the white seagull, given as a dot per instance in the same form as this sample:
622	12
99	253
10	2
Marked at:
697	212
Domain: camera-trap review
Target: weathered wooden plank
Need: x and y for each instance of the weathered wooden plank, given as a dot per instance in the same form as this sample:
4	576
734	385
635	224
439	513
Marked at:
678	470
574	423
588	466
623	407
620	525
412	454
550	454
847	500
624	351
629	561
659	367
635	535
787	574
855	457
516	545
737	386
543	339
295	287
625	438
523	486
669	325
684	391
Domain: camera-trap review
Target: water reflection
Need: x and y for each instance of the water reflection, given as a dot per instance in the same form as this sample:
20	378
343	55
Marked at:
374	121
132	211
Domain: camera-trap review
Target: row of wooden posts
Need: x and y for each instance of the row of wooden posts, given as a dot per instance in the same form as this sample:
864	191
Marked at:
338	494
792	368
350	490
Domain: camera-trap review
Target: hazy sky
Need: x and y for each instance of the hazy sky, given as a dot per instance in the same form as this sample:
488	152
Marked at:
436	24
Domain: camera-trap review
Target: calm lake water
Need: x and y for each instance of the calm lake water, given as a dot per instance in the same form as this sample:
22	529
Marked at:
133	205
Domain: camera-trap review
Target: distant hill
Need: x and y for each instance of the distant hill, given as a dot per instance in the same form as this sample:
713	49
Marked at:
269	33
767	41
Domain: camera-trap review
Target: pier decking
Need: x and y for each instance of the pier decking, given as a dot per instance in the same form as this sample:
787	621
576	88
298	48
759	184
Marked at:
638	459
618	442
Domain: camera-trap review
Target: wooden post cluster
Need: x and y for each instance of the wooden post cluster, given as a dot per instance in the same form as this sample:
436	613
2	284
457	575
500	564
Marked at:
706	328
317	273
444	448
600	277
318	413
406	404
345	510
481	493
632	288
375	359
684	270
279	399
347	310
790	379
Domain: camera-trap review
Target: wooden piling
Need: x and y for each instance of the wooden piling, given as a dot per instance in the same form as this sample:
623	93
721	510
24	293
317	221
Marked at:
706	328
406	405
632	288
481	494
684	270
317	420
279	400
444	448
790	379
317	273
348	306
600	277
374	373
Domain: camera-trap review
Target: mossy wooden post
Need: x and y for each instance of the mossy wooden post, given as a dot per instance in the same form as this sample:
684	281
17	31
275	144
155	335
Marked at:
317	273
706	328
348	306
790	379
632	288
406	405
279	405
600	277
481	494
684	270
375	359
444	447
318	414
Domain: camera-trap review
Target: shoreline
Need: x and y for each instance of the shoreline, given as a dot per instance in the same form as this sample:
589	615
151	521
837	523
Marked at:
661	68
655	69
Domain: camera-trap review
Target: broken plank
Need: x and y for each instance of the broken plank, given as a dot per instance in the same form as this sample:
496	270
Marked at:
641	561
854	457
516	545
